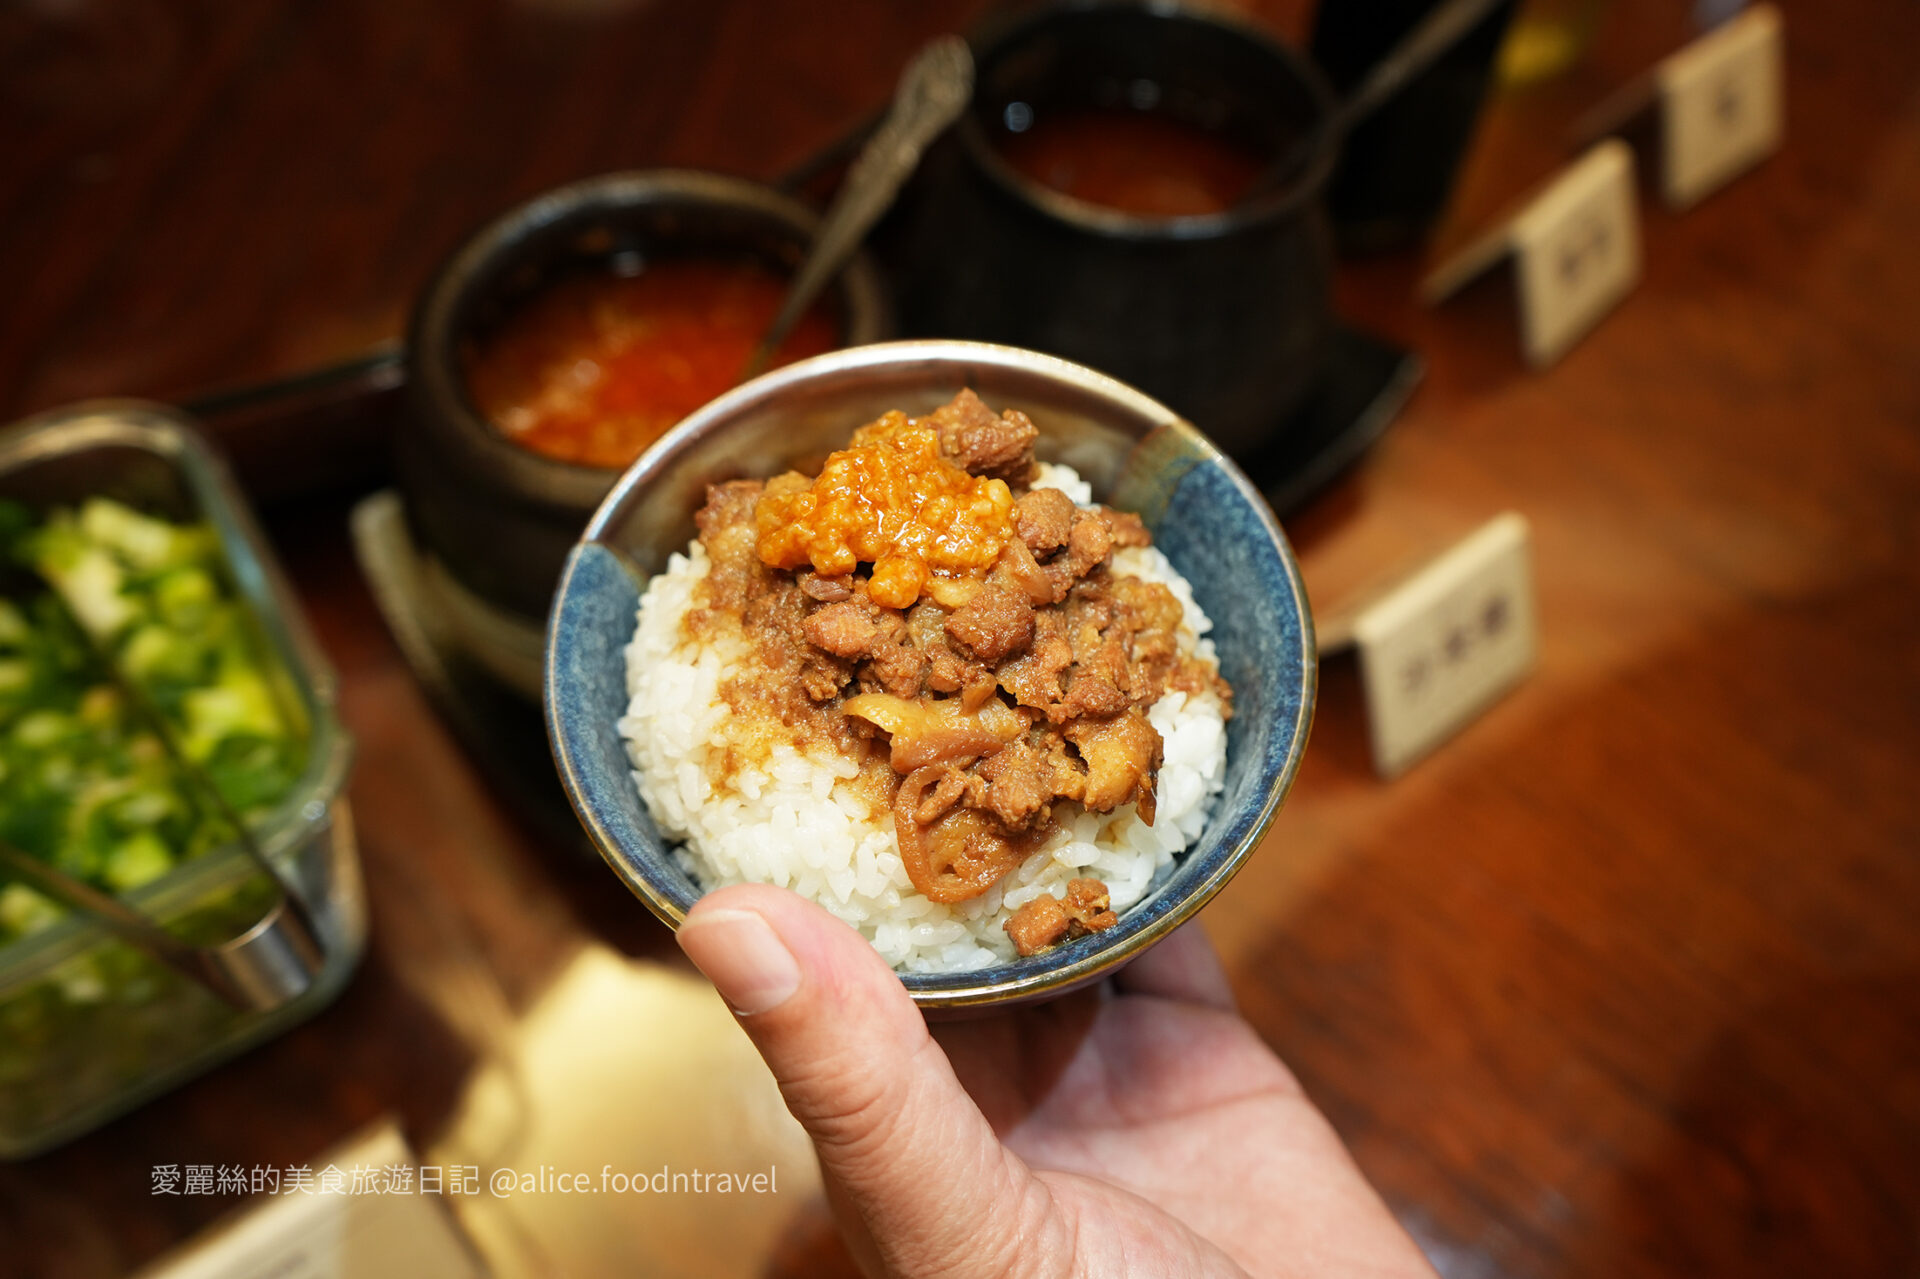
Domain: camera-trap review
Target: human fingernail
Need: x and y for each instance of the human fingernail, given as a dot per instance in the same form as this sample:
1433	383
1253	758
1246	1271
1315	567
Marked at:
743	957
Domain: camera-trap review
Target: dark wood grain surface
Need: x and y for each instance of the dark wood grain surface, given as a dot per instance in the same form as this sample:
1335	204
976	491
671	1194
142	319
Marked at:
1624	981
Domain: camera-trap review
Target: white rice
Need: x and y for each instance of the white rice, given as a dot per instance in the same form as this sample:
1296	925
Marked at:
795	822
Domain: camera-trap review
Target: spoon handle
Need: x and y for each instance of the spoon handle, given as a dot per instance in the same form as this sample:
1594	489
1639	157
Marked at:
271	962
1442	28
933	91
275	959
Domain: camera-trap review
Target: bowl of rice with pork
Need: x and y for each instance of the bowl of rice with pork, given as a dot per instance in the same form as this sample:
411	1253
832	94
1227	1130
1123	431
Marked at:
992	657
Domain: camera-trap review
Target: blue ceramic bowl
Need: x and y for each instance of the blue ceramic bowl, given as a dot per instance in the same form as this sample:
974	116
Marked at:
1137	454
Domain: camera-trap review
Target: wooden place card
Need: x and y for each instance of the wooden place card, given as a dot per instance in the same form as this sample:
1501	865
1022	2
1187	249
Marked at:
1575	246
1444	643
1718	106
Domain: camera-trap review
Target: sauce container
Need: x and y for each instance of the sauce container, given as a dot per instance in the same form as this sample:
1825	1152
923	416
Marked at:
1224	315
90	1026
495	517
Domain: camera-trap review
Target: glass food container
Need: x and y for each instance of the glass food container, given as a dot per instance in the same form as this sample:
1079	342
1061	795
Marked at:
91	1026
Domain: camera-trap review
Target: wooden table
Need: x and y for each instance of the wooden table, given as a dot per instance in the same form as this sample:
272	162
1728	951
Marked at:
1623	981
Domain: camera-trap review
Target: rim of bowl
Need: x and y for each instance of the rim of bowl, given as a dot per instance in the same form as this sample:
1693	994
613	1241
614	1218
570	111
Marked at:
1031	978
432	355
1296	192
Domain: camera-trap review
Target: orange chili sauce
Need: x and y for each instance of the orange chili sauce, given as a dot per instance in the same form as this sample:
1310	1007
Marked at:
598	366
888	499
1135	161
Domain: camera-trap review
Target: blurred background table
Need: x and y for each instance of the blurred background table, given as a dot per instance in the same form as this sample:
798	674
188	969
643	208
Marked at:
1624	981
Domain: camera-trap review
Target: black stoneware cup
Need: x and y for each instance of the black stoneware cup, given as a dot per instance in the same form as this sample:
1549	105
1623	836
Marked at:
1222	316
499	518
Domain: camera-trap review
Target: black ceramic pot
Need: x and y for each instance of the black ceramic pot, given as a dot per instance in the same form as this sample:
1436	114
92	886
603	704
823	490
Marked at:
1223	316
500	519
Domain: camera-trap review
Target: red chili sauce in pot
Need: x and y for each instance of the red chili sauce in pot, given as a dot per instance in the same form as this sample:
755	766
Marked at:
598	366
1142	162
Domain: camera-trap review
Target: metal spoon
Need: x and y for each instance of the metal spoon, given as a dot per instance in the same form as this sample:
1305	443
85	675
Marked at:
933	90
274	960
1443	27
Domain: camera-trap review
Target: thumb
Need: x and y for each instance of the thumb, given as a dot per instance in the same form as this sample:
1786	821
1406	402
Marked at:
900	1141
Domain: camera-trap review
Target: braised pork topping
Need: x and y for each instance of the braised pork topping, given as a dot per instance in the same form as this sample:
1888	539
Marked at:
1048	920
960	636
